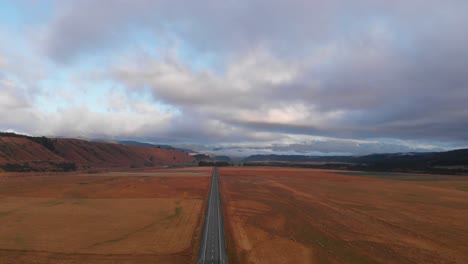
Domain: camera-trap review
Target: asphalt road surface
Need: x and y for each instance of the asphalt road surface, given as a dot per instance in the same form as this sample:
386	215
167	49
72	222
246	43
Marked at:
212	247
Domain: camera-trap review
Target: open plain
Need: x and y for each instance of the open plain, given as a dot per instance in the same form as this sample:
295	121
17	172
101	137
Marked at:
139	216
285	215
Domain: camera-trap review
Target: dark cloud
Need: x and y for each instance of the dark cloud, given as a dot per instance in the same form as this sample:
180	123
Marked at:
80	27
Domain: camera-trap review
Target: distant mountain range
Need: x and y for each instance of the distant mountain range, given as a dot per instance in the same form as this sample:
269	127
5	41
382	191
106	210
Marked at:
455	161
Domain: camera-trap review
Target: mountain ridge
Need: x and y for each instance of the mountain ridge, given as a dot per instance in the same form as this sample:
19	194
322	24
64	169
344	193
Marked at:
26	153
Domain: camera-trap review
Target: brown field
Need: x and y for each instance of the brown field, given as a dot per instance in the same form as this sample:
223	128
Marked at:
285	215
108	217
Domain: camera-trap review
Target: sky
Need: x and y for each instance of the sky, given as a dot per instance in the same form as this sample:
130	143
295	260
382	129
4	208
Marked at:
239	77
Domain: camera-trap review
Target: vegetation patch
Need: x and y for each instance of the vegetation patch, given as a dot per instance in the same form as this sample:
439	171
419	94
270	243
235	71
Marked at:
177	213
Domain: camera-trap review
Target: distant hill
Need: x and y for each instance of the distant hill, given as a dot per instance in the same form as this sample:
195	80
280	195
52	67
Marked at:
455	161
137	143
25	153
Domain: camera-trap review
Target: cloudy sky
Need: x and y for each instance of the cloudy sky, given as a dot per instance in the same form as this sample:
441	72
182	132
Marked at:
239	77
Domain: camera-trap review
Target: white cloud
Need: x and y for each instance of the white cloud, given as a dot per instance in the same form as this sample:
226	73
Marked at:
11	96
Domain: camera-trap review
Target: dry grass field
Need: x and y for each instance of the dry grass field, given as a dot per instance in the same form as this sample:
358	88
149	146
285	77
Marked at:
285	215
108	217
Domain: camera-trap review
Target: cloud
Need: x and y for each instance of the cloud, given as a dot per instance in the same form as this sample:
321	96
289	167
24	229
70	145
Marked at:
255	75
15	108
87	26
124	117
11	97
107	124
363	92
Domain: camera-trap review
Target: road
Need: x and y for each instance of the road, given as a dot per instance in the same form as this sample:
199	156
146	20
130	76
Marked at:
212	247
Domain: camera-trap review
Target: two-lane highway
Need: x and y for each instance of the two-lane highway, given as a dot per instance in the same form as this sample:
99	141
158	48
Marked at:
212	247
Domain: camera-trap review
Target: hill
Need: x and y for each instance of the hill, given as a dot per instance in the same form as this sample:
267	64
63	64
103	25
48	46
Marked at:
25	153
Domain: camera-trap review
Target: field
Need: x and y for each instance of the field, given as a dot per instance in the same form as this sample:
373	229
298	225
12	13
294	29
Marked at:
272	215
285	215
150	216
